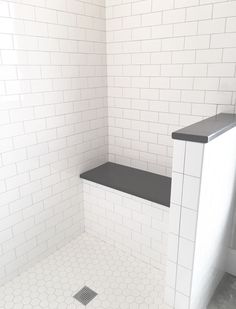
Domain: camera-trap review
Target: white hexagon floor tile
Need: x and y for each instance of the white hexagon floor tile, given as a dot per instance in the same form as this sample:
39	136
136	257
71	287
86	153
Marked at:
121	281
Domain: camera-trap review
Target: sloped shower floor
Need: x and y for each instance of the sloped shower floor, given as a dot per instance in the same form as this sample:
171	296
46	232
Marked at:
120	280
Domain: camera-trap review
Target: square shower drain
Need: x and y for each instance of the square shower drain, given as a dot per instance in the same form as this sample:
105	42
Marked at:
85	295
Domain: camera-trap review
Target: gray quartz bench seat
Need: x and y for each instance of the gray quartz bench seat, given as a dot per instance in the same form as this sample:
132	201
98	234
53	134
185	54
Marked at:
146	185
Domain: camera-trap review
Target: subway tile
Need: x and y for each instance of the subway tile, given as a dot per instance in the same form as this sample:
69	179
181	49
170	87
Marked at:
209	56
186	253
188	224
225	9
193	159
191	192
176	188
225	40
185	29
179	156
173	248
211	26
6	41
169	296
199	12
197	42
4	9
171	269
18	10
45	15
160	6
142	7
181	301
174	16
174	218
185	3
183	280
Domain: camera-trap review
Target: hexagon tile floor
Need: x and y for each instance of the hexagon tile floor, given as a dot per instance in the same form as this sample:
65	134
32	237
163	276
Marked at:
120	280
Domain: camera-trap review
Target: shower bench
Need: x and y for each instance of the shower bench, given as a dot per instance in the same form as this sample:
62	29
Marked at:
130	209
146	185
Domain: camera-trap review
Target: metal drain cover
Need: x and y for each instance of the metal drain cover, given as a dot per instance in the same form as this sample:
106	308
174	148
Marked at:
85	295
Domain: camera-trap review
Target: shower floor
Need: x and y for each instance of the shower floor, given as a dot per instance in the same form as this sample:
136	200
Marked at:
225	294
120	280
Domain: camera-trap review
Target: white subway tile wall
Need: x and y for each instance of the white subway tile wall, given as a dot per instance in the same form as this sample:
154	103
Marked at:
53	118
70	68
130	223
170	63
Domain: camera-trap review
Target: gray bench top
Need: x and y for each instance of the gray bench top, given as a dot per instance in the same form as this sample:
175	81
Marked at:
146	185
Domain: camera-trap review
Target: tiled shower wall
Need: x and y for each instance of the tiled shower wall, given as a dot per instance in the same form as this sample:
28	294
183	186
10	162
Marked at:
170	63
53	119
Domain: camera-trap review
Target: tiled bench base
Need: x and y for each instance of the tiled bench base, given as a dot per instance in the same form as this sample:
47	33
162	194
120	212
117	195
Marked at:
130	223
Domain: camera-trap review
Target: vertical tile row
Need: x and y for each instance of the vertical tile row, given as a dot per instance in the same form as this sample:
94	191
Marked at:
187	167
